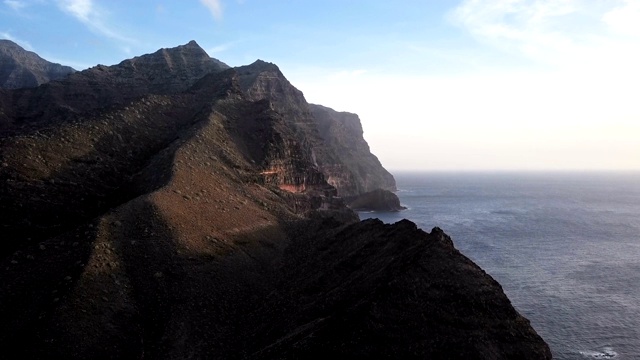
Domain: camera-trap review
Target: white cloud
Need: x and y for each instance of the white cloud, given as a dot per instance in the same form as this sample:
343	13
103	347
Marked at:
215	7
218	49
81	9
24	44
566	34
92	16
510	120
346	75
625	19
571	104
15	4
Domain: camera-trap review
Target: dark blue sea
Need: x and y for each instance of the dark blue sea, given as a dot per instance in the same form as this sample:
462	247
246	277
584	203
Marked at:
564	246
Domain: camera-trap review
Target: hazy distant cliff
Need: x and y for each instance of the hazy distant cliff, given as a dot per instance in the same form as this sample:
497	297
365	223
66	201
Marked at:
358	170
170	207
20	68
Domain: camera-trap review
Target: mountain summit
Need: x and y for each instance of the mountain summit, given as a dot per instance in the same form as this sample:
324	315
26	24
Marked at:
169	207
20	68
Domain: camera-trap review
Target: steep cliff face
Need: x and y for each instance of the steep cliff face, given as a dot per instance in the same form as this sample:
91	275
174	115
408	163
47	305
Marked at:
191	221
335	139
24	69
359	171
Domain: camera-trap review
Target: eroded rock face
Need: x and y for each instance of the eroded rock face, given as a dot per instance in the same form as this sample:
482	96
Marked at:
25	69
376	200
335	139
189	220
359	171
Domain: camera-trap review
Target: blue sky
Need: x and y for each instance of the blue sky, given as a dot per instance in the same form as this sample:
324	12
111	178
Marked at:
438	85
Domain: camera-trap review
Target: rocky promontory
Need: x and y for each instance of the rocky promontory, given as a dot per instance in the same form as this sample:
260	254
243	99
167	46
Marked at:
358	170
170	207
376	200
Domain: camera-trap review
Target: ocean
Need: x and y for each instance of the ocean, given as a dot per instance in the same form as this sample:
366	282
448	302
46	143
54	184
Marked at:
564	246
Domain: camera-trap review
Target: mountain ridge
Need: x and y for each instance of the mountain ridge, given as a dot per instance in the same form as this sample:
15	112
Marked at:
20	68
180	211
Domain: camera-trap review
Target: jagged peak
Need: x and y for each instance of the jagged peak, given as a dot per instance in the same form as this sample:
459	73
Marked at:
11	47
192	43
260	62
261	65
249	74
22	68
191	51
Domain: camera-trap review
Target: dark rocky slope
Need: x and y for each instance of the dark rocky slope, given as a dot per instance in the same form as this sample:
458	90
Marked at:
20	68
188	219
373	290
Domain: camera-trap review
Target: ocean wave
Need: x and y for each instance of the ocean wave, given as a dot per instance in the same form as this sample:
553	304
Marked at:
606	353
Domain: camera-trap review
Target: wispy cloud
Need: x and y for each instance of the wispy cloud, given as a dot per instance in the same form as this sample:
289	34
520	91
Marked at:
77	65
215	7
218	49
95	18
81	9
25	44
561	33
347	74
625	19
521	25
15	4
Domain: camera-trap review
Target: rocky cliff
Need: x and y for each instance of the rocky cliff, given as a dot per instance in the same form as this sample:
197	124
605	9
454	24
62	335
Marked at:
358	171
334	139
376	200
161	209
23	69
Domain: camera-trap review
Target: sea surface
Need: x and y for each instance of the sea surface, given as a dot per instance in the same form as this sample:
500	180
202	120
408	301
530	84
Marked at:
564	246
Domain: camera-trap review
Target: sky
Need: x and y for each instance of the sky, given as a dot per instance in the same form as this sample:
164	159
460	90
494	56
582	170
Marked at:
438	84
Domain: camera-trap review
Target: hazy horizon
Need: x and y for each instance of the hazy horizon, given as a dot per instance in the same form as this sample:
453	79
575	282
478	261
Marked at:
473	85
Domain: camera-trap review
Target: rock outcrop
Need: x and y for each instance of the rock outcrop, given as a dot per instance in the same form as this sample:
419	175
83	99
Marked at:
334	139
376	200
186	217
20	68
358	171
373	290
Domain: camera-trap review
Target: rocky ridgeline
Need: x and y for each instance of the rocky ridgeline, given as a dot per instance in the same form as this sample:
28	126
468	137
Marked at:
25	69
169	207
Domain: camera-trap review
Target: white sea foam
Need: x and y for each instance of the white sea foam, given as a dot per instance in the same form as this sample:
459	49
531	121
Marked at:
606	353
